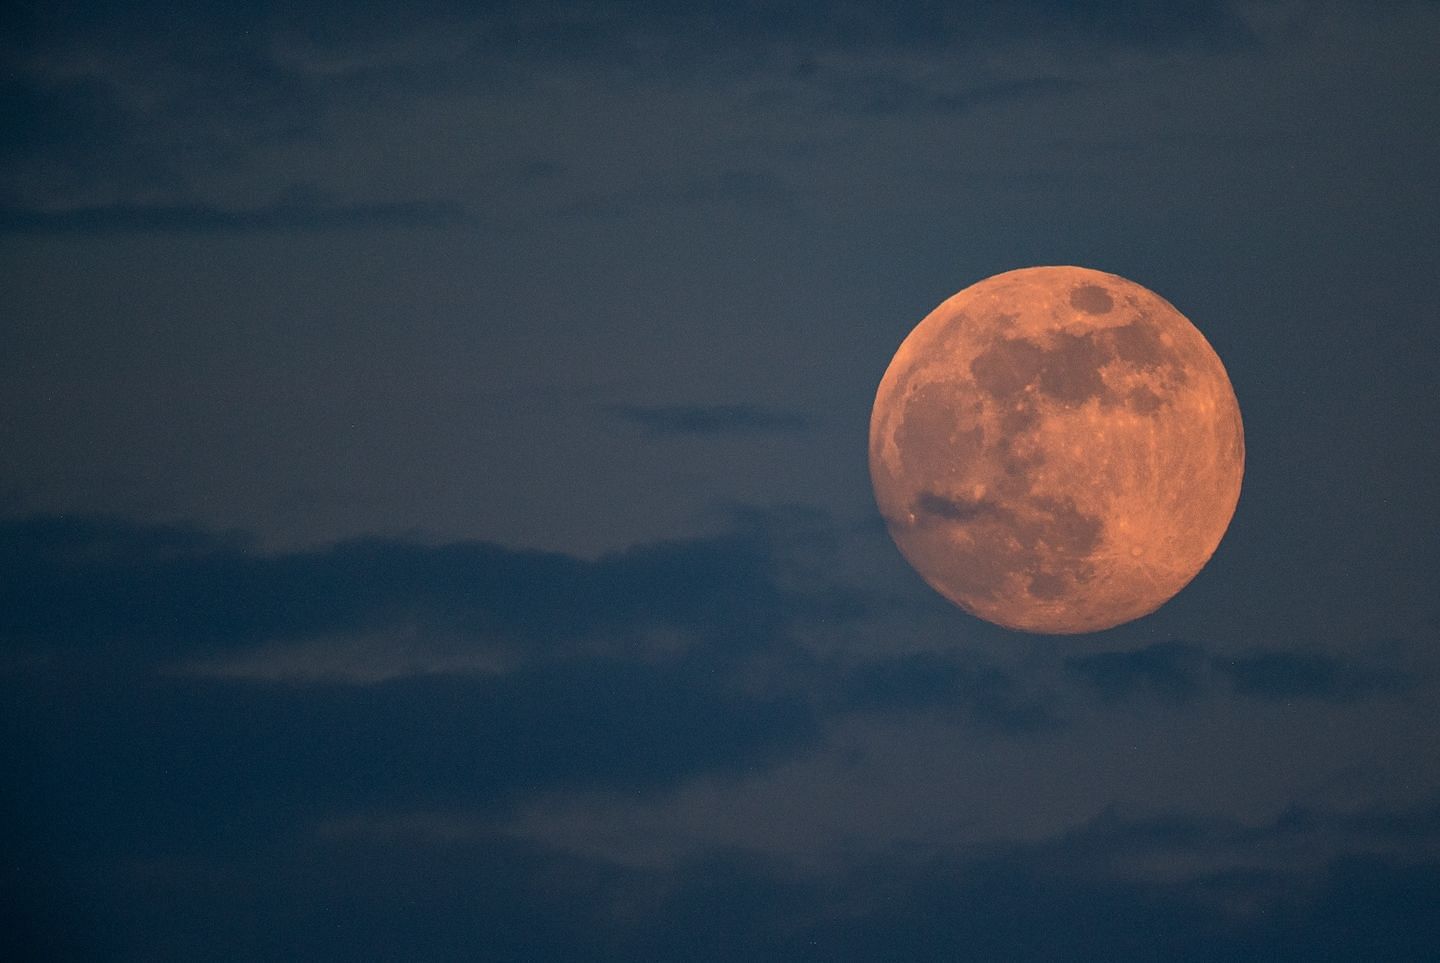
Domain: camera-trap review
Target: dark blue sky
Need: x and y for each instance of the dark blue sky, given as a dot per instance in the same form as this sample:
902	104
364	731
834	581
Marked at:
434	517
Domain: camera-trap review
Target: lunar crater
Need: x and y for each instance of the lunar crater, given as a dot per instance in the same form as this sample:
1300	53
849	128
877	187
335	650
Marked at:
1092	299
949	508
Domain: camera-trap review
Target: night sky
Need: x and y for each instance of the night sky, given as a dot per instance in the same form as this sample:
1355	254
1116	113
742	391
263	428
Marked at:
434	512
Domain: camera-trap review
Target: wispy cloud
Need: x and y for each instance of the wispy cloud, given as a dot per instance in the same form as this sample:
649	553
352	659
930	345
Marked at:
979	694
1069	895
1171	670
377	673
164	591
891	92
707	420
130	110
1181	671
1276	675
207	219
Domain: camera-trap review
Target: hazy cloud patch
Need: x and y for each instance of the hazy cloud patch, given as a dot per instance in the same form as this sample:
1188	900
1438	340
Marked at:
981	695
1182	671
707	420
174	104
156	592
182	761
892	92
208	219
1014	903
1278	675
1169	670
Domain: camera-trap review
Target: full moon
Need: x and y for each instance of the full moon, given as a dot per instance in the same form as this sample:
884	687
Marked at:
1056	450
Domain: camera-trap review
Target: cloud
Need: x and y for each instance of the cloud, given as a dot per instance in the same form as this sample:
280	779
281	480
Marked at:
171	690
337	895
124	121
982	695
163	677
162	591
1170	670
1276	676
576	30
706	420
268	805
1298	838
731	188
146	762
113	113
891	92
1180	671
837	27
734	186
206	219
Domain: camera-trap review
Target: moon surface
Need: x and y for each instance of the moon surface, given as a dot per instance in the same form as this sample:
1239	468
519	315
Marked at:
1056	450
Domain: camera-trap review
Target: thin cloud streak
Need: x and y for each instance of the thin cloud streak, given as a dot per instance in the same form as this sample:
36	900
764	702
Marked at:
208	219
1179	672
707	420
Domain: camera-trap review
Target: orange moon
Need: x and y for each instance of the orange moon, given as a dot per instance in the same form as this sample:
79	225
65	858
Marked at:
1056	450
